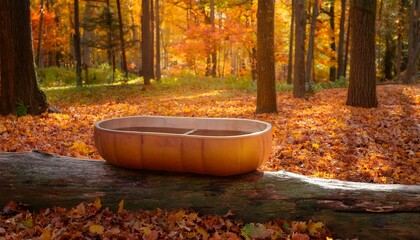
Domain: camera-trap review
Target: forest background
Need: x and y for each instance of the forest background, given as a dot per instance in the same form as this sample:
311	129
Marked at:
205	38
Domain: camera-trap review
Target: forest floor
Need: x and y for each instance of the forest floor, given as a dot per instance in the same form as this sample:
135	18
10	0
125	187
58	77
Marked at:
320	137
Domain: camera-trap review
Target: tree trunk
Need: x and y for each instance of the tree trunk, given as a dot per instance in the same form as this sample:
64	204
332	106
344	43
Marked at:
333	69
362	83
308	72
413	42
40	27
389	57
86	37
399	54
266	85
346	53
147	45
352	210
122	42
18	84
157	32
340	54
213	47
290	60
299	66
77	51
110	35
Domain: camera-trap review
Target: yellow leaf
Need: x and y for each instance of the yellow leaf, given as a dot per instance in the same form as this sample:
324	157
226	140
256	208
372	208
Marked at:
203	233
97	204
81	147
28	223
96	229
315	145
46	234
121	206
313	227
146	230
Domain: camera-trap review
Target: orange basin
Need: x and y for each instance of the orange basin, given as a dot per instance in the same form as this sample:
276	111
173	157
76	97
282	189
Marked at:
214	146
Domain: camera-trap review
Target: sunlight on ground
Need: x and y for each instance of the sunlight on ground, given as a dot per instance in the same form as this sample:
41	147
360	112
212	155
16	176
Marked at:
319	137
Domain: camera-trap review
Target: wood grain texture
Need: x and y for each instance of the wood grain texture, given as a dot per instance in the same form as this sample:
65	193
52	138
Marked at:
369	211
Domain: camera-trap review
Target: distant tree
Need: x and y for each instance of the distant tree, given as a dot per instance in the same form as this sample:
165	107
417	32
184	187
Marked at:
19	92
340	54
333	69
291	35
413	42
157	32
399	51
299	65
266	86
310	55
146	42
362	82
77	50
122	42
41	20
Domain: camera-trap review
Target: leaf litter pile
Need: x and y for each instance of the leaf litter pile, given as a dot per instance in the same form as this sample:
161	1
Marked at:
93	221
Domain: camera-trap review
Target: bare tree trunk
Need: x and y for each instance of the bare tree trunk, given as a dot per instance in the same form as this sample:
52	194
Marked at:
157	32
399	41
122	42
310	54
340	56
389	57
213	48
346	54
77	51
362	84
19	92
87	35
147	45
333	69
290	60
413	42
266	85
299	66
40	27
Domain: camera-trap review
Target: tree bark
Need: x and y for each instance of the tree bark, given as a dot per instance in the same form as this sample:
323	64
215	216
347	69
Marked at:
413	42
122	42
146	43
310	54
157	32
18	84
77	51
290	60
266	85
351	210
340	54
389	57
362	83
86	38
299	66
213	48
399	53
333	69
40	27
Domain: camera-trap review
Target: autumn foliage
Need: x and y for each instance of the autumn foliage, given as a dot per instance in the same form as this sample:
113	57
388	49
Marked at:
93	221
320	137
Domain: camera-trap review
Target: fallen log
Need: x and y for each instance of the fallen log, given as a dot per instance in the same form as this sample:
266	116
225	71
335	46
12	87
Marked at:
367	211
